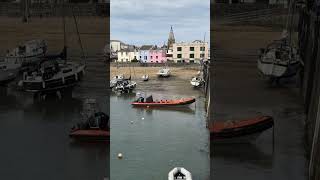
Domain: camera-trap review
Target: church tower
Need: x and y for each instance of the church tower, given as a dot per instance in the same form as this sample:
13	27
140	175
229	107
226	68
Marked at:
171	39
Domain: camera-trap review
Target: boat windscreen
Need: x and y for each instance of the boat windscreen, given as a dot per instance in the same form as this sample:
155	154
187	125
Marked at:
149	99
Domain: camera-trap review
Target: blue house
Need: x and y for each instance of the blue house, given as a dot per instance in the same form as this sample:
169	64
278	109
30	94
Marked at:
144	53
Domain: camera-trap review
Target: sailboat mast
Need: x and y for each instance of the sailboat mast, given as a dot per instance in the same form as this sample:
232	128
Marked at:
78	33
64	32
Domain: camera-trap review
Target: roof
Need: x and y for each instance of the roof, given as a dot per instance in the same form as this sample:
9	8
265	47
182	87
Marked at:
146	47
116	41
127	50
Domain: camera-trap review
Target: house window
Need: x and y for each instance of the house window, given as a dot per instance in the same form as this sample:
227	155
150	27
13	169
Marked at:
179	55
140	57
191	61
191	48
145	57
179	49
201	55
156	57
156	61
202	48
151	57
191	56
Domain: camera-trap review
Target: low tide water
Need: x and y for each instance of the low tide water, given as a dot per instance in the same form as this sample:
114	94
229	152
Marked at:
154	141
34	135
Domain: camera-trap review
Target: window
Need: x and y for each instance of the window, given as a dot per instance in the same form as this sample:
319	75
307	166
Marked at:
201	55
156	57
151	57
140	57
191	56
191	48
179	49
202	48
179	55
191	61
145	57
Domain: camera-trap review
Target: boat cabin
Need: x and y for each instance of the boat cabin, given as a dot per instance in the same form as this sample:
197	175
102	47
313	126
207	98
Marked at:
99	121
149	99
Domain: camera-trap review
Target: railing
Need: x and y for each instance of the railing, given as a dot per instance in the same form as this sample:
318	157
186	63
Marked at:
45	9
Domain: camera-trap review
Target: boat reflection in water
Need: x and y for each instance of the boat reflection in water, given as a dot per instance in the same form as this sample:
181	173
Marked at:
238	154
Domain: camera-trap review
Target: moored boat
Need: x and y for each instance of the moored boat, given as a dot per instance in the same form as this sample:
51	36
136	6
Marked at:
164	72
145	77
241	131
96	126
52	76
28	52
149	102
125	86
196	82
179	173
8	71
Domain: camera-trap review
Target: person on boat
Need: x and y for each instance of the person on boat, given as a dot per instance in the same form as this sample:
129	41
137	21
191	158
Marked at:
104	122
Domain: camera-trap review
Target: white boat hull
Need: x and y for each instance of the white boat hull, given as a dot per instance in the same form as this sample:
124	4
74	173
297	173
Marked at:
278	70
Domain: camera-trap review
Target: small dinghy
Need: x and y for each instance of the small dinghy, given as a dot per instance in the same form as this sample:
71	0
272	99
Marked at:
179	173
196	82
165	72
149	102
145	77
242	131
96	126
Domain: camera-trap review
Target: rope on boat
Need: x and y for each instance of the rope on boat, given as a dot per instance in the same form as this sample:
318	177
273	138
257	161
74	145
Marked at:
79	38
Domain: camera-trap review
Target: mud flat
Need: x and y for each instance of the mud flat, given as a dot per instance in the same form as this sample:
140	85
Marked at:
239	91
93	32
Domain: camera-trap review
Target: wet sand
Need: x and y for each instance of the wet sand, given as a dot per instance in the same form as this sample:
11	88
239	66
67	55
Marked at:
183	72
239	91
93	32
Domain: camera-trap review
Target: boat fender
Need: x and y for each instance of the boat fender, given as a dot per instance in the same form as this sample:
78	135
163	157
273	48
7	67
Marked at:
25	74
20	83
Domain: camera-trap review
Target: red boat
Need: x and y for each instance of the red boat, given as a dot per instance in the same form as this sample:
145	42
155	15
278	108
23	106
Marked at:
242	131
96	128
149	102
90	135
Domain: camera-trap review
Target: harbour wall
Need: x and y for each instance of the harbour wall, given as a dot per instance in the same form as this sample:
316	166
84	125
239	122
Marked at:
310	83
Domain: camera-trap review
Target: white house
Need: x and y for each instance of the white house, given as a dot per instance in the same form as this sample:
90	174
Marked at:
127	55
115	45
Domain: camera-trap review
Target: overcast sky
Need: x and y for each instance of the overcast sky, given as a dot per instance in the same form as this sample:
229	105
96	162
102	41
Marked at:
148	21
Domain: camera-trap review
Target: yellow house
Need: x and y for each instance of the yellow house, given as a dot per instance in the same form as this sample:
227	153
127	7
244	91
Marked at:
193	52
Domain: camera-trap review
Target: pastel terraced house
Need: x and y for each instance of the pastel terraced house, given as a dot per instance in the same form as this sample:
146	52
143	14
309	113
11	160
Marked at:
144	53
157	55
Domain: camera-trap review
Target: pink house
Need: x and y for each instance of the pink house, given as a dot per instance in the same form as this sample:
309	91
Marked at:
157	55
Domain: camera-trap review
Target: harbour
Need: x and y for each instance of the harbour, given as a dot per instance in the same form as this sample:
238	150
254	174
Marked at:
154	140
36	131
